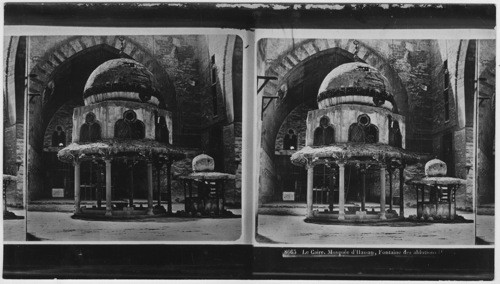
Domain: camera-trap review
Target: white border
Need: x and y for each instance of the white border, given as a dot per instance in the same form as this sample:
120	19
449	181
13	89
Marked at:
422	34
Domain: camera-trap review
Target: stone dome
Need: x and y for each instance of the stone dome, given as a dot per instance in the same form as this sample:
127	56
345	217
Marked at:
203	163
435	168
121	79
355	83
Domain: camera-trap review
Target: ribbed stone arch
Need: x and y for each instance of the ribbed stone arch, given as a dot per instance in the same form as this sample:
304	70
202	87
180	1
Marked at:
487	86
486	123
47	65
305	49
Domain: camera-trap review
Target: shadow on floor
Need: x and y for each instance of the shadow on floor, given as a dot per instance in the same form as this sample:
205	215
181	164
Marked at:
262	239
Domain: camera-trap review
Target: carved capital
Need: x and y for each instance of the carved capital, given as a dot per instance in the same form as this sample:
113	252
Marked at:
77	159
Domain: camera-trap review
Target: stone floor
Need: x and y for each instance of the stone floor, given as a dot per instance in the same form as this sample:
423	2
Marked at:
284	223
53	222
15	229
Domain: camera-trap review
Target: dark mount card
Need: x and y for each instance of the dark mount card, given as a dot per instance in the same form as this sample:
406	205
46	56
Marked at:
369	141
374	264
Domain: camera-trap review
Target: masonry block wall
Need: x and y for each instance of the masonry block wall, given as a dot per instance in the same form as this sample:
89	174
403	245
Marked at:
426	74
182	65
296	121
486	123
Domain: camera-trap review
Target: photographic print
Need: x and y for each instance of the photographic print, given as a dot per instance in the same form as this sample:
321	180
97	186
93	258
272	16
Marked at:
376	141
127	138
249	141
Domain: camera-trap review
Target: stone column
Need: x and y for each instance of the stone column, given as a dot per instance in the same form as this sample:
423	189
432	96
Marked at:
390	188
108	187
158	182
310	176
150	187
76	165
169	187
131	185
332	191
401	192
341	191
363	188
382	191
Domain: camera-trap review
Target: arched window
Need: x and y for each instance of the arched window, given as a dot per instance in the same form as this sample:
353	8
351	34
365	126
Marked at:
324	133
161	130
371	134
90	130
59	137
363	130
395	137
129	127
290	140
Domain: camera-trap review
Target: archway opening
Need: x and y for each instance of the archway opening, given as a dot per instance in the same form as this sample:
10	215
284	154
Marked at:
65	88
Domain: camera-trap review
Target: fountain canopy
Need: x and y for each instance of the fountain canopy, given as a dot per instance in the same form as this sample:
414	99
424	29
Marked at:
435	175
203	169
204	190
436	193
121	121
356	124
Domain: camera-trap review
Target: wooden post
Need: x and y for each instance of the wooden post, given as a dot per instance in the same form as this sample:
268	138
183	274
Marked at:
76	165
185	196
436	197
449	202
382	191
341	191
4	197
223	189
217	196
401	192
169	186
150	187
310	176
454	191
108	187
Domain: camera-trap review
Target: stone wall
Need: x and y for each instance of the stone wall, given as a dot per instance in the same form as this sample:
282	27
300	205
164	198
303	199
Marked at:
486	124
267	178
63	117
419	66
411	61
184	59
296	120
13	115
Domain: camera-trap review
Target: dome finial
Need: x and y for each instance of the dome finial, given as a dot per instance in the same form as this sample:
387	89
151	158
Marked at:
356	50
122	45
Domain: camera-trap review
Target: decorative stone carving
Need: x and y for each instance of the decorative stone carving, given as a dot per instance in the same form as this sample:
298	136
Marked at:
203	163
324	133
363	131
91	130
161	130
129	127
435	168
290	140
